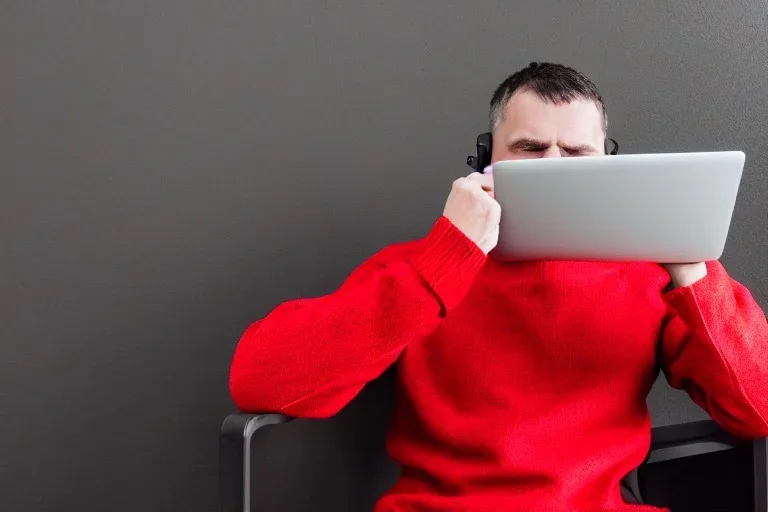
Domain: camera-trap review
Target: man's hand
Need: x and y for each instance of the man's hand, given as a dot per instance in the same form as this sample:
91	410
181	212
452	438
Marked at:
685	274
472	209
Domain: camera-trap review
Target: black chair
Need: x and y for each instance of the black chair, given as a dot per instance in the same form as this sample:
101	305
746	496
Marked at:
340	464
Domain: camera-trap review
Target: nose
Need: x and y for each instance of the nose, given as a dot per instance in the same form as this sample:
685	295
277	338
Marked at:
552	151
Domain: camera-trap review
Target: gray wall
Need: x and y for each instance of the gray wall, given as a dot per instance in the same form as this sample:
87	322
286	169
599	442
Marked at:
171	170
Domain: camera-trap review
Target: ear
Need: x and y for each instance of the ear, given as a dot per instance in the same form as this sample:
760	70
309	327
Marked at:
484	147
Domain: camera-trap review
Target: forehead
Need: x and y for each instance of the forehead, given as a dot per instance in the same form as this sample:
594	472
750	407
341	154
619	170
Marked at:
527	114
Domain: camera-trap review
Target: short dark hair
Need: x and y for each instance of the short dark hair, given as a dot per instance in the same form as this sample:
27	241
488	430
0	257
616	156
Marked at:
554	83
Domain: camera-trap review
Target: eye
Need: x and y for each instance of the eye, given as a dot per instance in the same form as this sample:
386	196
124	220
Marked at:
577	151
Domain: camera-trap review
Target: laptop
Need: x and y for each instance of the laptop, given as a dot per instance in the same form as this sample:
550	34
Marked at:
663	208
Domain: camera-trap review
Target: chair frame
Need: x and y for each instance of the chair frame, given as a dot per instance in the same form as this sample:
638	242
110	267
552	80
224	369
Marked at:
667	443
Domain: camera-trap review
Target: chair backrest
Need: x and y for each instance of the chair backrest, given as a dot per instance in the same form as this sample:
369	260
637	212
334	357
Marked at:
338	464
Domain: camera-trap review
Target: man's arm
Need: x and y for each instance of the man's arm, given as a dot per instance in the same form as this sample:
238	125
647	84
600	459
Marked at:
310	357
715	347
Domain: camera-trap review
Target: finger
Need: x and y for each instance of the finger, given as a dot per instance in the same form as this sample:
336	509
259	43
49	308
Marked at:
484	180
459	182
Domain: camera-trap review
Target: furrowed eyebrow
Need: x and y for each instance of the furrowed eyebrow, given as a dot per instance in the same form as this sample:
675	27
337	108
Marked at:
527	142
582	148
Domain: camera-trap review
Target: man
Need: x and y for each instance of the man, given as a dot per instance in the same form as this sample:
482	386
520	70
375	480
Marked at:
521	386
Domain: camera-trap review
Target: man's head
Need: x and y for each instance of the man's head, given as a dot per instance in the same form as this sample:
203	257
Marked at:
547	110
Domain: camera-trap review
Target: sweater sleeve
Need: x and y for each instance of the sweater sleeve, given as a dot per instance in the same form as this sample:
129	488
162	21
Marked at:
715	347
310	357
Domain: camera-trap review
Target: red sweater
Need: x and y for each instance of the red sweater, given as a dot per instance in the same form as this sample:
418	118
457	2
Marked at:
521	386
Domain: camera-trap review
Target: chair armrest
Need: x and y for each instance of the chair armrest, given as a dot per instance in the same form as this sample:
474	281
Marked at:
235	458
688	439
706	436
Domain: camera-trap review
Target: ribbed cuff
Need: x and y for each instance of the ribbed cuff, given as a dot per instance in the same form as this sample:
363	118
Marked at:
707	292
448	262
